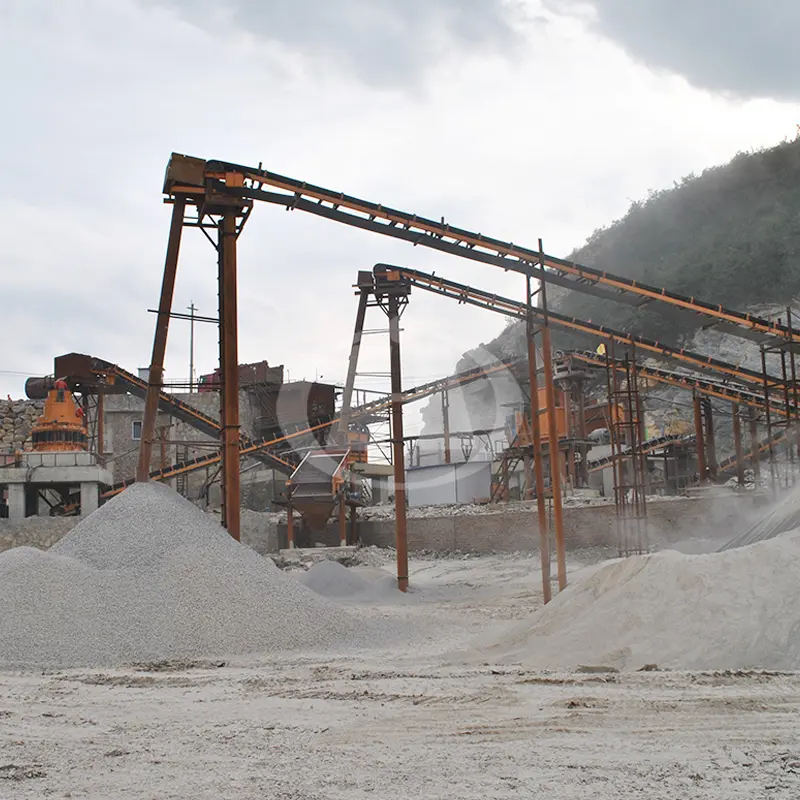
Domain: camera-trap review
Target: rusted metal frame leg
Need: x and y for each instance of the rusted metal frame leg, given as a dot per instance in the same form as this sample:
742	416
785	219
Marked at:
229	367
787	406
699	437
352	366
100	427
342	520
353	535
538	459
156	374
552	433
737	443
755	461
711	446
446	425
398	451
768	418
582	434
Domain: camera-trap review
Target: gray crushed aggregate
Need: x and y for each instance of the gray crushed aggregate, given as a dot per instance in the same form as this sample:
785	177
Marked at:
334	580
150	577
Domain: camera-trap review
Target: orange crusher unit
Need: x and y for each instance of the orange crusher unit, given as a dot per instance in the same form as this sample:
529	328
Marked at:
62	426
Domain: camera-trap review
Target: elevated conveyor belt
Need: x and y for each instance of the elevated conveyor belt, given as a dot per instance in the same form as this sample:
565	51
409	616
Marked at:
704	386
728	465
193	177
120	378
265	446
649	446
514	308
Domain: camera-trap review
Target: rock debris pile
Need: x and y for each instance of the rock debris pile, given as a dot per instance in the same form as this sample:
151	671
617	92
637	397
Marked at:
732	610
149	577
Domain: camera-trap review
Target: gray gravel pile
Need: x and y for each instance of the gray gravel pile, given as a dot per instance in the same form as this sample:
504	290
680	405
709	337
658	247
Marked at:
148	577
334	580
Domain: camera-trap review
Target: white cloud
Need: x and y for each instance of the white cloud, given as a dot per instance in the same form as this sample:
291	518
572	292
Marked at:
551	142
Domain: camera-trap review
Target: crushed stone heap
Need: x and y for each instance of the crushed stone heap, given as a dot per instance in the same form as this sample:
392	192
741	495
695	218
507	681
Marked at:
733	610
334	580
149	577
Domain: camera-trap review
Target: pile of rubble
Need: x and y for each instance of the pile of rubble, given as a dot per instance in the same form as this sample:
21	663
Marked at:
16	420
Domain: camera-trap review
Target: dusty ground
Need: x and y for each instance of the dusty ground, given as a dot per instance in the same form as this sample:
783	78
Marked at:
408	722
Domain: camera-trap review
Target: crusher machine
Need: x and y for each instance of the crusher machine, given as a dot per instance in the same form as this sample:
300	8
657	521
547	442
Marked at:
325	482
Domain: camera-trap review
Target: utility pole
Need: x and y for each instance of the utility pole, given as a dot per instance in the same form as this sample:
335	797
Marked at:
192	308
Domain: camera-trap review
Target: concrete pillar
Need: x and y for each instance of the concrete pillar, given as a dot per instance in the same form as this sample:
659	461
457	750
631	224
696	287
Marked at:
16	502
90	493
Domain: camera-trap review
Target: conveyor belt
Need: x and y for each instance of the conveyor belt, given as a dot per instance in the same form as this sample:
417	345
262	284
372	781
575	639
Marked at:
265	445
704	386
649	446
185	412
514	308
194	177
728	465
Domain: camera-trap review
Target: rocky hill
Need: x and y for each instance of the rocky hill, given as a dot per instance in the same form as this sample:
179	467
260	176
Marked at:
730	235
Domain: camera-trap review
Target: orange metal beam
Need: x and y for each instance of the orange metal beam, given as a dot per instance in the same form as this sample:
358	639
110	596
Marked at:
191	175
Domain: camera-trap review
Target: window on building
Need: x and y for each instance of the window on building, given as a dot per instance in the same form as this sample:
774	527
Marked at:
136	430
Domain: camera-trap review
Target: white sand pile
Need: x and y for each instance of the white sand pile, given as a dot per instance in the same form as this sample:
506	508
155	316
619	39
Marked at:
334	580
149	576
730	610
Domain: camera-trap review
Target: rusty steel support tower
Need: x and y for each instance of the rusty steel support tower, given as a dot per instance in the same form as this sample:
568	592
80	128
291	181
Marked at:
386	289
221	218
629	463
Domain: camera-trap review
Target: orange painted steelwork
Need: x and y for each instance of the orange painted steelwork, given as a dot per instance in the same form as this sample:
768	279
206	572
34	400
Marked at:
62	426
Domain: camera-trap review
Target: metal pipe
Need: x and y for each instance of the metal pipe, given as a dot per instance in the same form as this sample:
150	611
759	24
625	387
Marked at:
552	435
229	369
156	375
699	439
737	442
538	465
401	536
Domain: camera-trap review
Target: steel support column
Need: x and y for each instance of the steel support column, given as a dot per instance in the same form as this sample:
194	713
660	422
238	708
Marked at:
711	445
538	458
699	439
552	435
99	428
737	443
156	376
398	451
755	460
229	368
342	521
446	425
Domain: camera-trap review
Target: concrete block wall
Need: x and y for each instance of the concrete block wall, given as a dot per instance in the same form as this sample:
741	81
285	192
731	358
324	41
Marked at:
668	522
592	526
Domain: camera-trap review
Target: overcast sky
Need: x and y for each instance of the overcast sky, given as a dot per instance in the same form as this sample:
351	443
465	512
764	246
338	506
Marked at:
518	119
